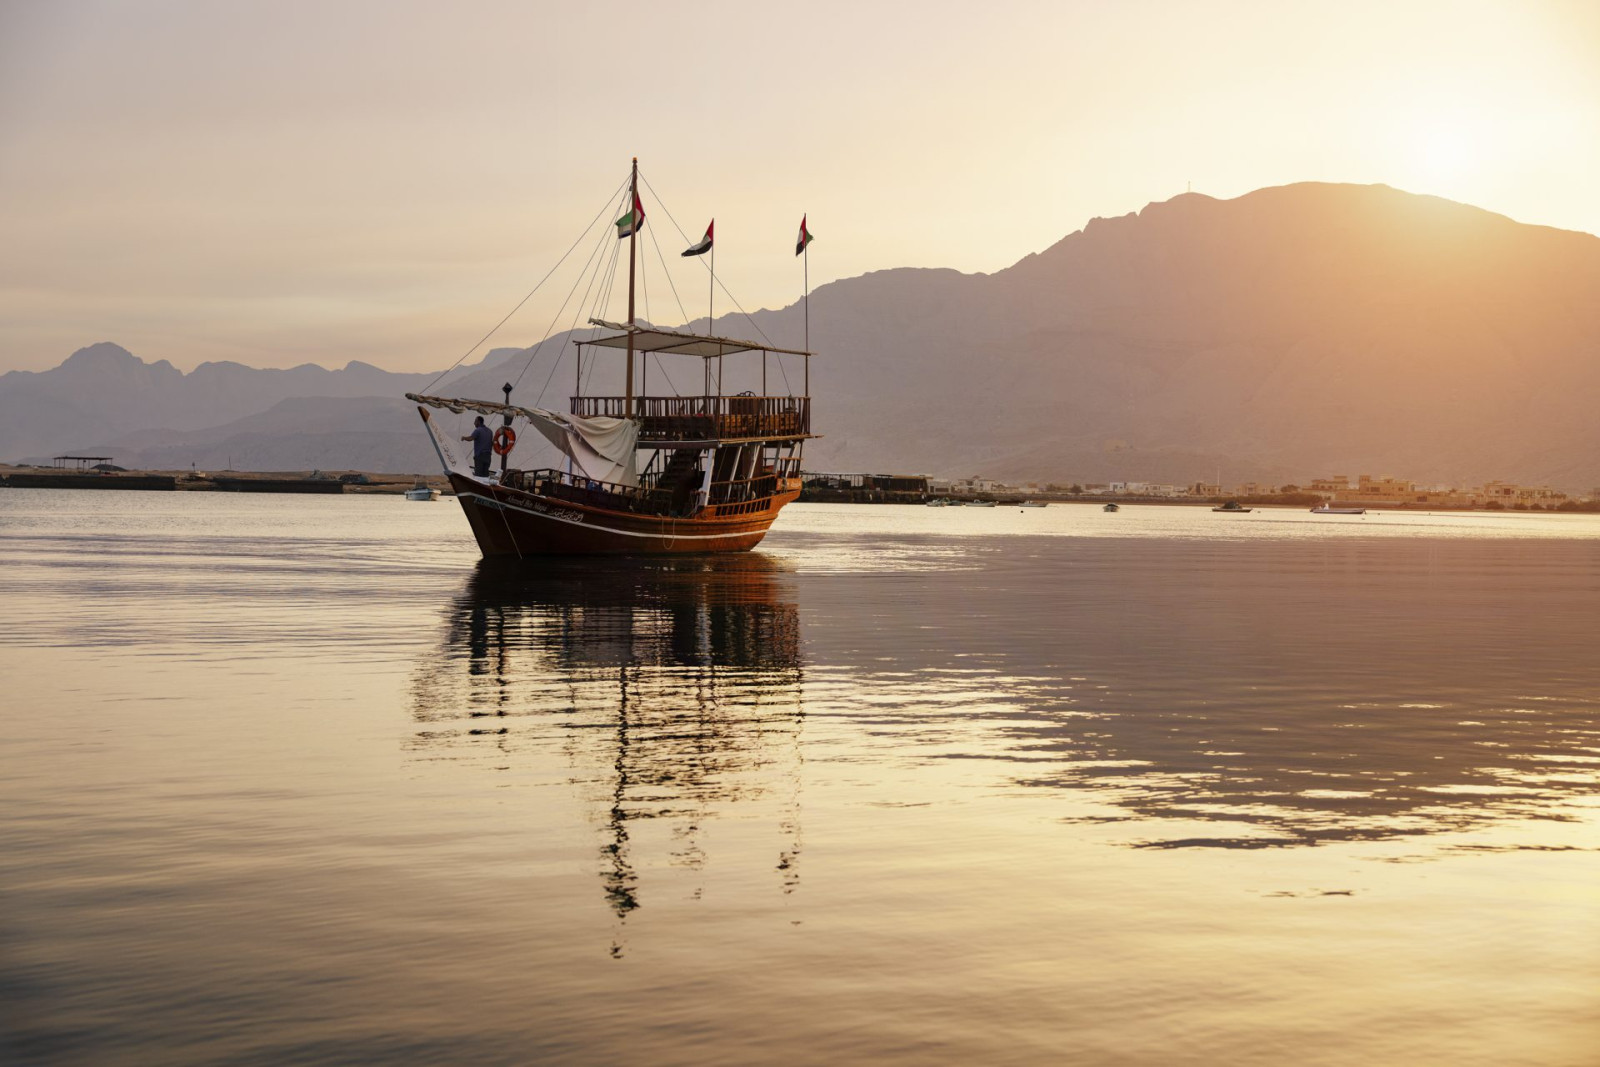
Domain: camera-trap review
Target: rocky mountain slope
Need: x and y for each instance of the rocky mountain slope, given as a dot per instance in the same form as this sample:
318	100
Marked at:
1293	331
1296	330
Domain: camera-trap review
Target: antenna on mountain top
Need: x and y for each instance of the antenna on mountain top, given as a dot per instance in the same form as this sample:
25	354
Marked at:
1188	187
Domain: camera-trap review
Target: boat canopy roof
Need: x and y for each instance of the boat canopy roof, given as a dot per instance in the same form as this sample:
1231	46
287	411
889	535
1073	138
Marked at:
655	339
462	405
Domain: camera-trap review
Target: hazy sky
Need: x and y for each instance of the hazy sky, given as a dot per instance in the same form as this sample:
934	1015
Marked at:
283	182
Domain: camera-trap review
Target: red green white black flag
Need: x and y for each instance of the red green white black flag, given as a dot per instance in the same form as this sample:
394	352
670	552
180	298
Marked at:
705	243
805	237
629	224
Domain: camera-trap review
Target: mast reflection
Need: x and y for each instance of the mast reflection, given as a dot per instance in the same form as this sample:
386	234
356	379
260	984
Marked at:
672	688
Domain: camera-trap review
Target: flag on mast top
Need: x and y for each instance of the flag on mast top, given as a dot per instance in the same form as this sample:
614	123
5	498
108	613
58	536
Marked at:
805	237
705	243
629	224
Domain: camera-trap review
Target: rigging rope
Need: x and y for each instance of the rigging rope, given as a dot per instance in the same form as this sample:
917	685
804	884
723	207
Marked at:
644	283
603	303
597	259
756	326
718	281
525	299
556	318
660	366
657	245
605	273
603	306
572	329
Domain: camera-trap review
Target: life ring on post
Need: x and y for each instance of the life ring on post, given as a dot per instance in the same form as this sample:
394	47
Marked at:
505	438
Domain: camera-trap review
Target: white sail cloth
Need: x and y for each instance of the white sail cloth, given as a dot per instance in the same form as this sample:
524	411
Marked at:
600	448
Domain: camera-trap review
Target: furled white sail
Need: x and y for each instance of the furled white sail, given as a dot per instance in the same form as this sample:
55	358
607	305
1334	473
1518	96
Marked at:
600	448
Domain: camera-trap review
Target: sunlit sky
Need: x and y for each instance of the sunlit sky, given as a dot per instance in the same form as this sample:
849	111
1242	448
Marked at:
287	182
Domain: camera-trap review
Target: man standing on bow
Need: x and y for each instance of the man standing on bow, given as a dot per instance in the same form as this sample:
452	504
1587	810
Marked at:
482	439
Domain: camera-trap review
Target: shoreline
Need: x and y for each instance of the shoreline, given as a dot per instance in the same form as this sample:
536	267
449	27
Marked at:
318	482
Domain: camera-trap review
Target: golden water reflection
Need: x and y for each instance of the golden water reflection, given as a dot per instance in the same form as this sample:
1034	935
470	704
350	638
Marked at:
1251	724
672	690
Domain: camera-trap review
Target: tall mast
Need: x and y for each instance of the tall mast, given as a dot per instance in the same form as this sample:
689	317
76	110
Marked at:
633	238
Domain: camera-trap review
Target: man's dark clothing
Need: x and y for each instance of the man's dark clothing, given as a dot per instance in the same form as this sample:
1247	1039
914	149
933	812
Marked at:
482	449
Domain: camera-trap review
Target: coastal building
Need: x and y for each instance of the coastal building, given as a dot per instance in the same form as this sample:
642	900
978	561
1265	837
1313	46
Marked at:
1398	492
1370	490
976	485
1507	494
1365	490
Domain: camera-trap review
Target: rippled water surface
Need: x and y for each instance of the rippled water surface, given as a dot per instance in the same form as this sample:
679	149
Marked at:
298	780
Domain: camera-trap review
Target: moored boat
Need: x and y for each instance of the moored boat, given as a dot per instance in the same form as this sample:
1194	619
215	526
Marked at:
980	503
641	474
1033	504
1233	507
1111	507
1329	509
421	490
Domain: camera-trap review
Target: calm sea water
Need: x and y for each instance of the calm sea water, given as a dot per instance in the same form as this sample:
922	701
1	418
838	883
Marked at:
300	781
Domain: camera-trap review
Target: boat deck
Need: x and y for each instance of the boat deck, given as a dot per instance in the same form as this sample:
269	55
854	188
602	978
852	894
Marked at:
707	419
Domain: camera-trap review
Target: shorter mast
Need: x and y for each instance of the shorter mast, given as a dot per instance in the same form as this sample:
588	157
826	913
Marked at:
803	249
711	293
633	239
711	315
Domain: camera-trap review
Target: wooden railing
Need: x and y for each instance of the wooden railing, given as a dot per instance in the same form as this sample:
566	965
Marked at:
576	489
702	418
681	500
742	489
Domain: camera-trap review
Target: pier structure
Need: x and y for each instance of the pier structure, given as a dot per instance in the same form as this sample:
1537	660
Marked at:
818	487
81	463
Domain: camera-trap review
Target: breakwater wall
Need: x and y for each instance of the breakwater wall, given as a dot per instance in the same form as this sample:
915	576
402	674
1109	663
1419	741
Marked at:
41	480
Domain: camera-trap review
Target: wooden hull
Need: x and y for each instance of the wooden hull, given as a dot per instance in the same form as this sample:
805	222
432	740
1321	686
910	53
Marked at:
510	522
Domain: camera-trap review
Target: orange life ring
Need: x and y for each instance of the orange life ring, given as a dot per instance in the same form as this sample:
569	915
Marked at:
504	439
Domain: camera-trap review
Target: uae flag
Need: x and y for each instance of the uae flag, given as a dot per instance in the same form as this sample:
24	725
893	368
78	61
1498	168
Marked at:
805	237
629	224
705	243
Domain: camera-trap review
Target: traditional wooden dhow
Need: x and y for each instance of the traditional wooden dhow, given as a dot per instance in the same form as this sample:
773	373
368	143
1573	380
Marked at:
641	475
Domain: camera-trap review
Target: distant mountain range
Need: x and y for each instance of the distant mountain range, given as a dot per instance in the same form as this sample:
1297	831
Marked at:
106	401
1294	331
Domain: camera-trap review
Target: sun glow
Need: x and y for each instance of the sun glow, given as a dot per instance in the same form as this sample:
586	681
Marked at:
1447	149
1442	145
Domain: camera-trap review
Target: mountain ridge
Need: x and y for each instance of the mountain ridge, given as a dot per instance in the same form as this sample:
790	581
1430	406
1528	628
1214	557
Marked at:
1295	330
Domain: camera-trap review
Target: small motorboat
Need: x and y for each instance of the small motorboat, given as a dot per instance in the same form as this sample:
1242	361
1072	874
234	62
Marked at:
937	502
980	503
1233	506
1328	509
1111	507
422	491
1033	504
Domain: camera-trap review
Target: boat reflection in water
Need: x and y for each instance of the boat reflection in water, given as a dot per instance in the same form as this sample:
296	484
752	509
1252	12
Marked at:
669	688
